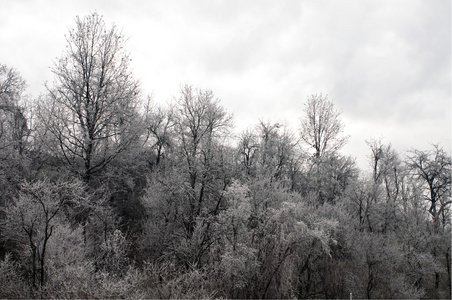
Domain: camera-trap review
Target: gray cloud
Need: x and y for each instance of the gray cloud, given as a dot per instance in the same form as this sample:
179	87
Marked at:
387	65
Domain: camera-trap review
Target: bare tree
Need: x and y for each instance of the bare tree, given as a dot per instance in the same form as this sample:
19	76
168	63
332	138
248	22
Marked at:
14	133
321	130
248	149
433	168
31	220
13	122
12	85
159	130
388	175
321	127
201	122
91	108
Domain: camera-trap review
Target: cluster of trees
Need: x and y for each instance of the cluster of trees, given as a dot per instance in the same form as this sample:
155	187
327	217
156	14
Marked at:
106	195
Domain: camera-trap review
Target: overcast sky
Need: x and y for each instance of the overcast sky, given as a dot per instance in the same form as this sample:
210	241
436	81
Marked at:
385	64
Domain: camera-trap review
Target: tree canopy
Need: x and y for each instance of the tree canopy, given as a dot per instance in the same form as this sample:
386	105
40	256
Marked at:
107	194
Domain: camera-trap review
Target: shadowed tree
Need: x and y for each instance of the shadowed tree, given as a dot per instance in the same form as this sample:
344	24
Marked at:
13	122
433	168
14	134
160	131
201	122
248	149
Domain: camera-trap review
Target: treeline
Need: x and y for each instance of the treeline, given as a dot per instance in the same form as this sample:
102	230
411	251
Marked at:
106	194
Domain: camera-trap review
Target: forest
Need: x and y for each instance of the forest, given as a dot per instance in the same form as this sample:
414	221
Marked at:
107	194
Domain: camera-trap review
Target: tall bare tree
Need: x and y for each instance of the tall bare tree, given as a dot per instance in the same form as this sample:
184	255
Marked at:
14	133
321	127
91	109
201	123
433	168
13	122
